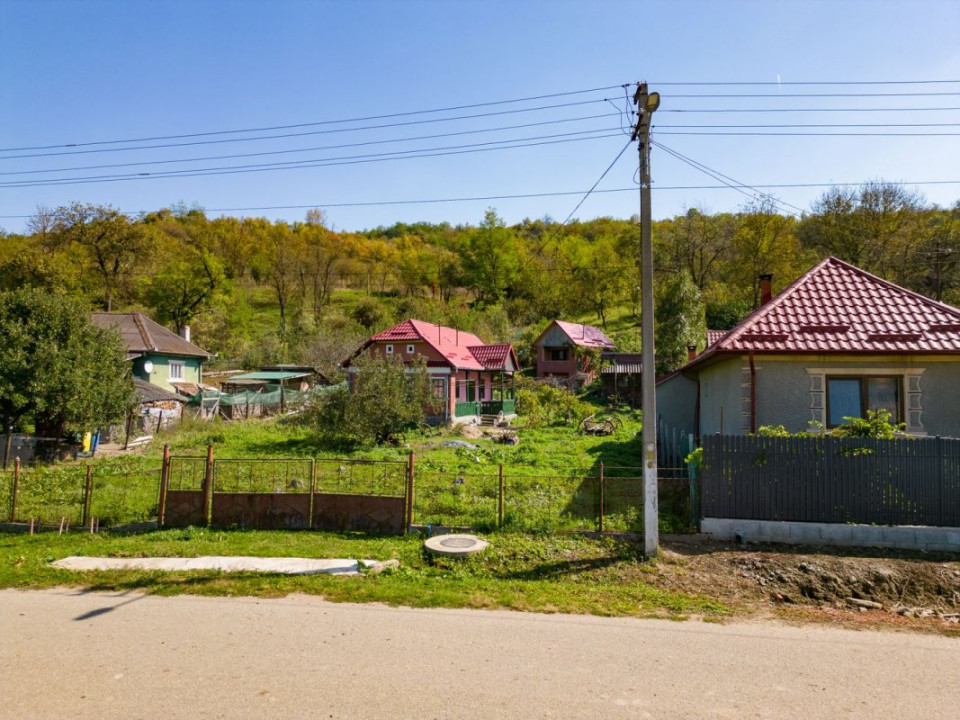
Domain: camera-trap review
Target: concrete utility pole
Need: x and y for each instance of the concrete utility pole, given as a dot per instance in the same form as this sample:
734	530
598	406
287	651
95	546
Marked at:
647	103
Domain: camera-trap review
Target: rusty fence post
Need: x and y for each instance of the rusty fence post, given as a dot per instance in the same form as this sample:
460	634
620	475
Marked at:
410	474
87	492
313	491
500	497
164	486
208	486
601	498
16	489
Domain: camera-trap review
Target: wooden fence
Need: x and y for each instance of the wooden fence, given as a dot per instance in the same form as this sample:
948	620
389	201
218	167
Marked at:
832	480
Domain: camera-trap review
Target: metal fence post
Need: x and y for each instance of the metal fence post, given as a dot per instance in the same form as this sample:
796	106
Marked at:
208	486
410	474
164	485
500	498
87	492
600	524
313	490
16	489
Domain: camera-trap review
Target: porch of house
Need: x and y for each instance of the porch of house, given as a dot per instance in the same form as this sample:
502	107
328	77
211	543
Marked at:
478	393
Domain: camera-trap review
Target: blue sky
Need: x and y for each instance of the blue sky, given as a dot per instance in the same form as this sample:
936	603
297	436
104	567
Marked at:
87	72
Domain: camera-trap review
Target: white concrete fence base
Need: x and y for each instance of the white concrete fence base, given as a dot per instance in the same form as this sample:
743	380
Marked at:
941	539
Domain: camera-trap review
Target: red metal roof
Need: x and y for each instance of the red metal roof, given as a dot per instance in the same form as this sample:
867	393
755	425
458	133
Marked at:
839	308
462	350
584	335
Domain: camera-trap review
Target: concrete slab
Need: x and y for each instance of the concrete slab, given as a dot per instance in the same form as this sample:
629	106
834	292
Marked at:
238	563
455	545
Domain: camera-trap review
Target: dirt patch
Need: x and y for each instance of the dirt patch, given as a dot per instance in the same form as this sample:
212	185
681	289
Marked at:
887	586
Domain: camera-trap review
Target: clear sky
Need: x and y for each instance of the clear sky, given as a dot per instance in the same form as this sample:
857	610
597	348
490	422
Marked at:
84	72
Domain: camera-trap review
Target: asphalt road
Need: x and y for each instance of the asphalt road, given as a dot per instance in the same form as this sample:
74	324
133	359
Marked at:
68	654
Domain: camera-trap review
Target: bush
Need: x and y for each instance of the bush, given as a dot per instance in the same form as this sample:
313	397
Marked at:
541	403
386	398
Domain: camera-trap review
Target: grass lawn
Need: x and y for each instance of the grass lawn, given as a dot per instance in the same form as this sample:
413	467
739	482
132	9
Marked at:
550	478
556	573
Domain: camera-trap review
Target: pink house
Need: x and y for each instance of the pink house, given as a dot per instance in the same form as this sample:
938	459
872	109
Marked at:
556	347
470	378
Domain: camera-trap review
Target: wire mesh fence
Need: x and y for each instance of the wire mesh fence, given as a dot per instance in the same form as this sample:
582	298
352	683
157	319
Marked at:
509	497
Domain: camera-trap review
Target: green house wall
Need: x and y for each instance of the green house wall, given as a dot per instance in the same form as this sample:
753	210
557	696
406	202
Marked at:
160	375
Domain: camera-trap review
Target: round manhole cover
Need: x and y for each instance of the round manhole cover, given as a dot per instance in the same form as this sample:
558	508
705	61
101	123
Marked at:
455	545
458	542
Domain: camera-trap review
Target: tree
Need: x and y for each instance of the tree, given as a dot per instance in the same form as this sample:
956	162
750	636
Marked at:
190	275
386	398
866	226
58	370
679	322
112	244
491	261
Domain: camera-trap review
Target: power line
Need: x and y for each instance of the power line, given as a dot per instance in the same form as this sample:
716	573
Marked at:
814	95
594	186
409	113
726	179
810	82
327	162
305	134
520	196
813	110
815	125
312	149
811	134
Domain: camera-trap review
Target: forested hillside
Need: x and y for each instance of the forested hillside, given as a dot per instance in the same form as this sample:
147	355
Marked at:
256	291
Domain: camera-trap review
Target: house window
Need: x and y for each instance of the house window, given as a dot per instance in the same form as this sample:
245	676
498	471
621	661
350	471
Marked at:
410	349
389	349
854	396
176	370
559	354
439	388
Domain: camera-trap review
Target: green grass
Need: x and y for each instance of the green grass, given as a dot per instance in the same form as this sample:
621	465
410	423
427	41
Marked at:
558	573
550	478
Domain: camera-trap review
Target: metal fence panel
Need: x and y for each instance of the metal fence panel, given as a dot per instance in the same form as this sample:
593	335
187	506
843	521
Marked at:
832	480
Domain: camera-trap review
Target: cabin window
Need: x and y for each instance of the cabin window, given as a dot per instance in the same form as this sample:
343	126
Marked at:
854	396
410	349
559	354
176	370
389	349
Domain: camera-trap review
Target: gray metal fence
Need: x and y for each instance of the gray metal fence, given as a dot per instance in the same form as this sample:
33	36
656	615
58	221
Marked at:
832	480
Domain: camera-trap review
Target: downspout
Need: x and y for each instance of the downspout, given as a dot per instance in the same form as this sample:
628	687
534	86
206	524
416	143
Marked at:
753	395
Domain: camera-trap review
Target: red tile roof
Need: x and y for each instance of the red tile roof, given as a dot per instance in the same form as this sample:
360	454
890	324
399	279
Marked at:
462	350
494	357
584	335
715	336
839	308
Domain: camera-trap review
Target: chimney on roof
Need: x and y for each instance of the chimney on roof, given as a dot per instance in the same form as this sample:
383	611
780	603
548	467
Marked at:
185	332
766	288
691	352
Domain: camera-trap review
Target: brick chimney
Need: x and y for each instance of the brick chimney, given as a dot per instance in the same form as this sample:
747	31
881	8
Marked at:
766	288
691	352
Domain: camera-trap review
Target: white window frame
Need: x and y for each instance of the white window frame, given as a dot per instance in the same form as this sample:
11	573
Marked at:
411	349
389	349
175	369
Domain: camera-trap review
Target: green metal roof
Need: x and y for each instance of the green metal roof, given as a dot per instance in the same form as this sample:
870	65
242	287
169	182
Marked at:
269	375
